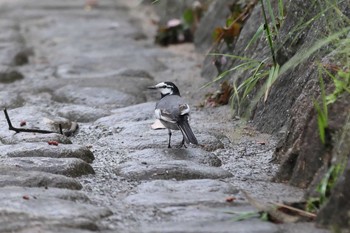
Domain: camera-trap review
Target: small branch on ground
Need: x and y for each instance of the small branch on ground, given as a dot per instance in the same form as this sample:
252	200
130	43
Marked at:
71	131
274	214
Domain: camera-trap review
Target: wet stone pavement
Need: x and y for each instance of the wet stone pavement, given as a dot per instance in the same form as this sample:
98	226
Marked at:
60	62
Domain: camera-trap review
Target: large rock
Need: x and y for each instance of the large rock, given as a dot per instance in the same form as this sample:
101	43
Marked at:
172	169
335	211
46	150
17	177
64	166
214	17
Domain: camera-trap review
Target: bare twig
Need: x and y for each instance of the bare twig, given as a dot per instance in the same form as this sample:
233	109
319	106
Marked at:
299	211
60	126
18	130
276	215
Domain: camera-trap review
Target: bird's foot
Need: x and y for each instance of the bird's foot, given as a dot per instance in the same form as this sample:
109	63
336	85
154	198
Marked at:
181	145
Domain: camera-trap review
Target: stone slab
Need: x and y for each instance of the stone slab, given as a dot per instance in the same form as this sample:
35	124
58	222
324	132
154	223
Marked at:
71	167
16	177
46	150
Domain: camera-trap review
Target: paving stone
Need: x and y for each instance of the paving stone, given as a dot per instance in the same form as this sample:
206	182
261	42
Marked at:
11	192
93	96
72	167
10	100
196	155
51	229
35	118
174	169
20	213
46	150
162	193
10	137
17	177
143	136
138	112
82	113
227	226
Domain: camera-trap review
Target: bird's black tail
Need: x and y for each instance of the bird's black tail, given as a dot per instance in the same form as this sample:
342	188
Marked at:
187	131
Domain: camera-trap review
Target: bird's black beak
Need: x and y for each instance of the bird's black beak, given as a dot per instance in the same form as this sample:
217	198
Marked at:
152	87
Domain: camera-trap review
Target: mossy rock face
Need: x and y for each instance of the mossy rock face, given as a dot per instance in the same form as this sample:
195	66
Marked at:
336	211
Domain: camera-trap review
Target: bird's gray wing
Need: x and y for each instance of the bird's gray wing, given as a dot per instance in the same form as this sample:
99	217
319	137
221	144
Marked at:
165	115
170	108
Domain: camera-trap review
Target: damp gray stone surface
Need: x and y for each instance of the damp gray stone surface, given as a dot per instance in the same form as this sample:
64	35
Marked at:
196	155
22	178
138	112
82	113
12	138
181	193
72	167
102	97
46	150
143	136
174	169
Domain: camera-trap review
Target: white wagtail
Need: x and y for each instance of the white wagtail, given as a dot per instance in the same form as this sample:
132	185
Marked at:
173	112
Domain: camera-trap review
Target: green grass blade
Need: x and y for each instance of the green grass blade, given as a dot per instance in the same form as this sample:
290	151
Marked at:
242	67
256	36
320	122
273	75
302	55
280	9
272	16
233	56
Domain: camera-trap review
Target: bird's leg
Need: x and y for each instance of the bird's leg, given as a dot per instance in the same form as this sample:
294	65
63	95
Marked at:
169	132
183	143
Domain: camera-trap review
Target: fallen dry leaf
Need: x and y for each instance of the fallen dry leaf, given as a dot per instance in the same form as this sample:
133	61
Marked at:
230	199
53	143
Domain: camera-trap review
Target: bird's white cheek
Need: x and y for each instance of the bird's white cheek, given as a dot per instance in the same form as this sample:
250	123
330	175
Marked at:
166	91
157	113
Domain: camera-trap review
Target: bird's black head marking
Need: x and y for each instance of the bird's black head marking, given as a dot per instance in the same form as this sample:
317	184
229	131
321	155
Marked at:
167	88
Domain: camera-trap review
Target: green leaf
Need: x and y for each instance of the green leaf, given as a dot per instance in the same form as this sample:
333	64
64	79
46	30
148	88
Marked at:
188	17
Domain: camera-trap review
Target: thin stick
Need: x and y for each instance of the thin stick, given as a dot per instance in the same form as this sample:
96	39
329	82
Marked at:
17	130
60	126
301	212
